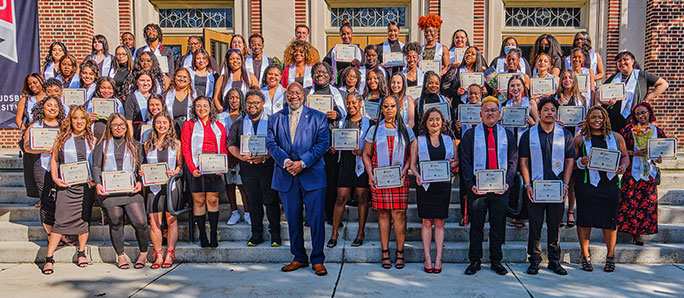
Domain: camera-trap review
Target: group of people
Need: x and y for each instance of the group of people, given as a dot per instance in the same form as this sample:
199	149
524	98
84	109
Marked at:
178	111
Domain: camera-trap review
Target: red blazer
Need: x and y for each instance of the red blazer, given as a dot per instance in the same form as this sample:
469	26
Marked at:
208	145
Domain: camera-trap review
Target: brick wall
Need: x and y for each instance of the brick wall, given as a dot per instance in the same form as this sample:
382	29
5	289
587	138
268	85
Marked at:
125	16
612	35
433	8
255	15
300	12
478	33
663	57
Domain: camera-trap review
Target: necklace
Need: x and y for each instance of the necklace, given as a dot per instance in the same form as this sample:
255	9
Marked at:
118	145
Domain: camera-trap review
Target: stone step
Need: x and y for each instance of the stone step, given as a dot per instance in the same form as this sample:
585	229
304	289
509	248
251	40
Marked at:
671	197
676	164
671	180
10	161
369	252
12	179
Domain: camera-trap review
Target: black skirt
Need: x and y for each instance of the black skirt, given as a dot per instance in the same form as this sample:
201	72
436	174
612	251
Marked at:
206	183
597	207
346	176
157	203
434	203
73	209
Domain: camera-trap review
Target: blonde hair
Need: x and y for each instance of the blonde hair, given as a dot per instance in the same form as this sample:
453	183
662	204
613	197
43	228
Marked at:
490	99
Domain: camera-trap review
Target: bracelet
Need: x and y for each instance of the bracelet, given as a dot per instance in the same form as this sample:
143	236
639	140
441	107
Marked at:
527	184
579	164
566	185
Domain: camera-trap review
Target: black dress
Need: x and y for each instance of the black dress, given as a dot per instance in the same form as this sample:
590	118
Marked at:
434	203
44	185
597	207
117	199
157	202
74	203
347	166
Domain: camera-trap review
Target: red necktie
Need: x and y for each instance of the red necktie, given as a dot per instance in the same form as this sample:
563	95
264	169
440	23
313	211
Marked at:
492	163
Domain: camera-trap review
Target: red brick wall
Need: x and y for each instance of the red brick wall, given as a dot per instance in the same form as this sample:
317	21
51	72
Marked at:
478	33
125	16
255	15
300	12
663	57
433	8
612	35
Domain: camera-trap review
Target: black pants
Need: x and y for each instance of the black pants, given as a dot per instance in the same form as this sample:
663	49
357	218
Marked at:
554	214
258	185
462	193
478	206
331	170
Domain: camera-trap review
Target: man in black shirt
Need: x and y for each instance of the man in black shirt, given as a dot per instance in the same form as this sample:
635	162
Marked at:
256	170
487	146
153	37
546	153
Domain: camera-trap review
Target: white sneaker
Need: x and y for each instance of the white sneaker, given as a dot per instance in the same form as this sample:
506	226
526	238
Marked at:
248	219
234	218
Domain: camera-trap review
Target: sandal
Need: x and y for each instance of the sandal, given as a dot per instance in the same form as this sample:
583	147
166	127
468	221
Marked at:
81	254
610	264
586	264
123	266
332	243
139	265
169	253
571	223
155	255
357	242
519	224
49	260
387	265
399	265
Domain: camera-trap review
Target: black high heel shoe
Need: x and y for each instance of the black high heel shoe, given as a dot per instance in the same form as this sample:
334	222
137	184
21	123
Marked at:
639	243
387	265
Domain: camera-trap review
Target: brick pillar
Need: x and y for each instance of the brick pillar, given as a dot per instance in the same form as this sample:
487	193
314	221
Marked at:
433	8
255	15
70	21
300	12
663	57
125	16
478	38
612	35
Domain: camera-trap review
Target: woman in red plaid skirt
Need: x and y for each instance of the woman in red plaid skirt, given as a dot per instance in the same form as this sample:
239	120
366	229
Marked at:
388	144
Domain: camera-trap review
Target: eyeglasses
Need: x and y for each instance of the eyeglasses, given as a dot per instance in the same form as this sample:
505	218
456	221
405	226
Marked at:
118	125
253	103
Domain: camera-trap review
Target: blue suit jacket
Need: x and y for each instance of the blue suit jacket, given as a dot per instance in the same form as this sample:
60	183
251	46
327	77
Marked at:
311	142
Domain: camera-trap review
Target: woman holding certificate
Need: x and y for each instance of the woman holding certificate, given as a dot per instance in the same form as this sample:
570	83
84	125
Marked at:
430	96
202	75
514	61
413	74
203	142
389	49
351	174
105	88
135	104
385	157
636	82
88	73
455	82
406	106
638	213
56	51
235	75
179	97
432	50
116	163
162	150
71	154
47	119
584	74
601	156
272	90
434	157
501	63
298	59
592	59
345	54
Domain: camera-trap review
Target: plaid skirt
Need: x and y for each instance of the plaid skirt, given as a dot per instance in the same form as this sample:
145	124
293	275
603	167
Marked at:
389	198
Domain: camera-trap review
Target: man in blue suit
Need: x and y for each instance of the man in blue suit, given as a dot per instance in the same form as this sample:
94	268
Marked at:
297	139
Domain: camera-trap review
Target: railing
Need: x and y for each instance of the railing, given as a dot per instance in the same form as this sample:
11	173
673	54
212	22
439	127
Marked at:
172	209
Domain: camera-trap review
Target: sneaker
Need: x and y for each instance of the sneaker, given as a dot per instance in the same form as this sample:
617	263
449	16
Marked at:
255	240
234	218
248	219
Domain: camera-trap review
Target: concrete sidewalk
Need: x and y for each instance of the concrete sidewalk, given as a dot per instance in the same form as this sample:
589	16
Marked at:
343	280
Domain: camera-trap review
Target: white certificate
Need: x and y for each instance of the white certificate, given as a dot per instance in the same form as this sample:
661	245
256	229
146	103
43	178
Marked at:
543	86
604	160
571	115
612	91
388	177
118	182
514	116
442	107
345	138
435	171
460	52
491	180
371	109
414	91
154	174
345	52
75	173
583	81
74	97
548	191
213	163
163	63
663	148
502	81
104	106
321	103
470	78
253	145
393	59
469	114
427	65
43	138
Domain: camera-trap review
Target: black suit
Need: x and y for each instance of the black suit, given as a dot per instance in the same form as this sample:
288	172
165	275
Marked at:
495	204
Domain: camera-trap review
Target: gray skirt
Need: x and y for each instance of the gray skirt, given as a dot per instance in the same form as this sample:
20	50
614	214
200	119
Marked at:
73	208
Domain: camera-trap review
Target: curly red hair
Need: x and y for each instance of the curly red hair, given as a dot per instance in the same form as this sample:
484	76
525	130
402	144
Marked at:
431	20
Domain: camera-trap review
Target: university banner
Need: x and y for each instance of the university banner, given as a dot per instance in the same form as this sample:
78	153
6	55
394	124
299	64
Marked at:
19	53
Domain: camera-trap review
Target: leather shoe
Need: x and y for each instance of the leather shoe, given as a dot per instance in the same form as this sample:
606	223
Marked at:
499	269
319	269
533	269
557	268
294	265
473	268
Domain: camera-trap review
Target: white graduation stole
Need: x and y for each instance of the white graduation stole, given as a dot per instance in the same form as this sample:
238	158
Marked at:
480	149
157	51
171	155
30	105
382	147
557	152
110	163
106	66
501	65
439	51
75	81
419	76
90	91
386	46
208	87
337	97
594	177
142	104
292	73
44	157
248	128
362	81
592	61
171	98
187	62
424	153
464	97
404	108
249	64
70	153
275	104
630	88
365	125
198	139
49	71
229	85
357	55
639	162
224	118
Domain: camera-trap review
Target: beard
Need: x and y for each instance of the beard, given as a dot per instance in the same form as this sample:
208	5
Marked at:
253	115
151	39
